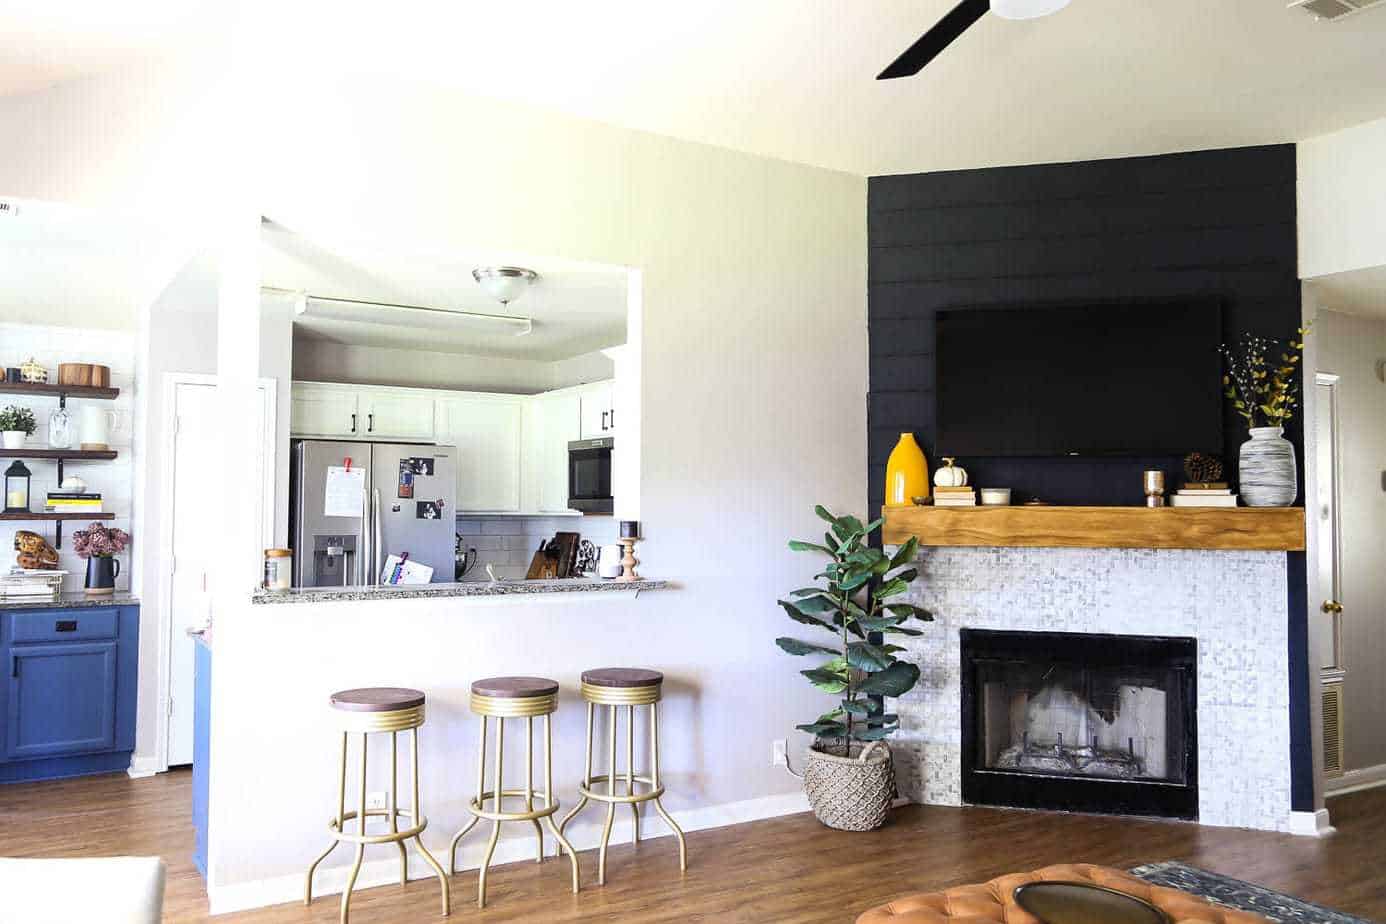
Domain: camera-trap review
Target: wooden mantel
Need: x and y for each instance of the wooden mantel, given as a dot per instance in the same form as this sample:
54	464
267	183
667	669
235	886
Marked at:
1266	529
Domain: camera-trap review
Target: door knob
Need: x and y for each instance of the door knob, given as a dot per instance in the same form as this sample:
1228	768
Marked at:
1332	606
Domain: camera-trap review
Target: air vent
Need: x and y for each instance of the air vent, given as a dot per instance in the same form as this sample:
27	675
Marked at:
1333	729
1334	9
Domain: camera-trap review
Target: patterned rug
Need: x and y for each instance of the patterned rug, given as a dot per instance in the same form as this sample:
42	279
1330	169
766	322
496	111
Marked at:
1224	890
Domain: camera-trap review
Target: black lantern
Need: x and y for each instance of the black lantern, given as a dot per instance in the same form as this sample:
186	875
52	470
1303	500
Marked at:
17	488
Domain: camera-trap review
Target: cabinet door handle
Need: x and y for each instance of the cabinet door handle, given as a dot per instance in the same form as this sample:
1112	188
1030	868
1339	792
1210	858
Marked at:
14	665
353	423
613	418
370	423
65	625
604	413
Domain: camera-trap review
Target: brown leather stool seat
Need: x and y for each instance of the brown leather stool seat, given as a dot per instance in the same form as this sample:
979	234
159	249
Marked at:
376	699
994	902
514	687
622	677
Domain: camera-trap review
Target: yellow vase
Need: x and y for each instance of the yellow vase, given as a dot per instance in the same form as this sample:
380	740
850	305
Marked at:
907	473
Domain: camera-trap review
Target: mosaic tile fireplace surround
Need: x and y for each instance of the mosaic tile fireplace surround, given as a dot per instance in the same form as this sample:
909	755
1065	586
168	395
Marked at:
1229	606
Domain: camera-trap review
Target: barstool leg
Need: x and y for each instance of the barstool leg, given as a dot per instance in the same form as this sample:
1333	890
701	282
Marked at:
480	788
610	791
529	785
361	830
630	768
341	810
418	814
495	807
548	800
586	771
394	808
654	775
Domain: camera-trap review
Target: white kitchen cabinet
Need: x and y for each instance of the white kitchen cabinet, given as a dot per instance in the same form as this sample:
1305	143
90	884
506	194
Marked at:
324	410
598	411
487	431
556	421
395	415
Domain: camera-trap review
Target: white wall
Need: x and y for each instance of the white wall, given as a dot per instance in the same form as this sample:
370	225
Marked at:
1342	200
327	361
1352	347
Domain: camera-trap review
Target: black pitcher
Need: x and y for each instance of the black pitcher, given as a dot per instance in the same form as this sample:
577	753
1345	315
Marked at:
102	571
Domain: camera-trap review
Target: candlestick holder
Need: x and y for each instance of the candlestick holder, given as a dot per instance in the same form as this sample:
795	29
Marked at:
1154	484
628	562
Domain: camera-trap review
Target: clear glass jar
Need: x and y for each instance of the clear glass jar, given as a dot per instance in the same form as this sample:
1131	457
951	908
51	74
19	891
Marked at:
279	567
62	430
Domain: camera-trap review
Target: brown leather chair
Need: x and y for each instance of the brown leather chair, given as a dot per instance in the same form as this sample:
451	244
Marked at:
994	902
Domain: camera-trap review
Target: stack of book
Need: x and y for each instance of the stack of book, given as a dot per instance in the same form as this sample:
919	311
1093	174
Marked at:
19	582
1204	494
955	497
67	502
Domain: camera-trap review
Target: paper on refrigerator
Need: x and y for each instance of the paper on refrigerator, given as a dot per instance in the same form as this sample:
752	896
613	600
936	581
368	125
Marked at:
346	491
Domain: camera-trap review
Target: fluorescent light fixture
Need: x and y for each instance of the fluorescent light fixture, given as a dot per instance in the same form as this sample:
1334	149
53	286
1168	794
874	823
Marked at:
417	316
1026	9
504	283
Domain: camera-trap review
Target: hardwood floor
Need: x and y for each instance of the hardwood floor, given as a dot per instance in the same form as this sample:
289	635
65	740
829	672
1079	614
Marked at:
784	870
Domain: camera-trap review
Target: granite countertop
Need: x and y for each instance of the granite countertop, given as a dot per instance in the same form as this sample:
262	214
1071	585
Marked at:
467	589
67	601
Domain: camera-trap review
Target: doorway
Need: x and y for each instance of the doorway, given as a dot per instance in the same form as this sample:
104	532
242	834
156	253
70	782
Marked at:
192	469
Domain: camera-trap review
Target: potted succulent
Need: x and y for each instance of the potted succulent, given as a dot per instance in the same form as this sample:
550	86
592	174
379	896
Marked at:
849	775
16	423
99	545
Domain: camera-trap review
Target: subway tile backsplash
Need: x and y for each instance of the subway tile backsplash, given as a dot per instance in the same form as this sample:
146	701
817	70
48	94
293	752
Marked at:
509	543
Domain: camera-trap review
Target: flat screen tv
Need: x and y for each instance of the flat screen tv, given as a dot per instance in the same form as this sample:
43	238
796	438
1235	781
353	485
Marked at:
1116	379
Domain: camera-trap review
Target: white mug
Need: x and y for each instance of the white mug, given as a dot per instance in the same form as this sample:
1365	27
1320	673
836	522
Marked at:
97	423
609	564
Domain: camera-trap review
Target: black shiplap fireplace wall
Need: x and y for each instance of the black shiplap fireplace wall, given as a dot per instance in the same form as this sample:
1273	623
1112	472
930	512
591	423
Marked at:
1215	224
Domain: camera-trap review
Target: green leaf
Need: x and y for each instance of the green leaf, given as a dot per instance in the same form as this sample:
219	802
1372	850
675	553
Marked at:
816	605
824	729
860	707
878	623
886	718
872	734
835	716
826	681
807	592
906	553
795	647
891	588
901	630
824	514
854	580
867	657
874	525
907	575
907	610
797	545
799	617
839	620
852	523
895	680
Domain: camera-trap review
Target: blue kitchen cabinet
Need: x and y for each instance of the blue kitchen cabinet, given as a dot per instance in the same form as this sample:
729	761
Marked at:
68	699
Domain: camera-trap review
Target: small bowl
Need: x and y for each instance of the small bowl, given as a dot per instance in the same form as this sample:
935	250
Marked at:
995	497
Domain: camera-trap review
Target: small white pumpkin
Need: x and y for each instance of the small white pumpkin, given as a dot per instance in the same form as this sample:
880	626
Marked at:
950	476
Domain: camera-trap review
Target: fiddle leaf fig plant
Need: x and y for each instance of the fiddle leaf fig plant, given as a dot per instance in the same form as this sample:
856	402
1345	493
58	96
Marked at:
861	599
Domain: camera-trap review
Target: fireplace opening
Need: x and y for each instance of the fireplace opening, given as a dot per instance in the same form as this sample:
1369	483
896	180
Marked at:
1080	722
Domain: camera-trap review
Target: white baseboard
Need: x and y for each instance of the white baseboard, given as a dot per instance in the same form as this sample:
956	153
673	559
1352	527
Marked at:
1311	824
142	767
583	835
1353	780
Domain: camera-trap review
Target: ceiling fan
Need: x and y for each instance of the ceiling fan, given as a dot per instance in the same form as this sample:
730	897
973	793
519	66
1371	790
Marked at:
959	19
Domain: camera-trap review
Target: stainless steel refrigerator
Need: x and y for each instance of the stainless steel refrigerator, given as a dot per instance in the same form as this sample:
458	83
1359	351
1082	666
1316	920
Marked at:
355	504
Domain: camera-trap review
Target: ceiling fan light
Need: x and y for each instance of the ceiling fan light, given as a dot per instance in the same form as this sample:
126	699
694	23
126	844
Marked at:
1026	9
504	283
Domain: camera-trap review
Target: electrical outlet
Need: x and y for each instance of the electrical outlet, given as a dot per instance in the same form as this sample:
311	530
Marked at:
779	755
375	800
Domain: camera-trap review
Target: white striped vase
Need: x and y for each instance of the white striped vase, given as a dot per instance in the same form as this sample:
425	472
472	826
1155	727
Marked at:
1267	469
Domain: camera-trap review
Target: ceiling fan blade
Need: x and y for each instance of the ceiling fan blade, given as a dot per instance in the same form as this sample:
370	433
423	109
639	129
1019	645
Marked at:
931	44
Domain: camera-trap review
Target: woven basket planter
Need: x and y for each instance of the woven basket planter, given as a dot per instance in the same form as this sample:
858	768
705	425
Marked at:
850	793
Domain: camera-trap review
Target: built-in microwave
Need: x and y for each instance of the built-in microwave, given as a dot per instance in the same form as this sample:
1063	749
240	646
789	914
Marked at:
589	475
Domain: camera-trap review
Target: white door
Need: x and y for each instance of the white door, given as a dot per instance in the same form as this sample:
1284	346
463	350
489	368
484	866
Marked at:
597	416
1326	607
324	410
486	430
559	422
395	415
195	476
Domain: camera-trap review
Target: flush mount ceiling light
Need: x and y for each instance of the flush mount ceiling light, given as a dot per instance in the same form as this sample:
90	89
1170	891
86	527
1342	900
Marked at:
418	316
1026	9
504	283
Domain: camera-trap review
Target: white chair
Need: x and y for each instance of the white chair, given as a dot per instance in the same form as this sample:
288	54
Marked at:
115	890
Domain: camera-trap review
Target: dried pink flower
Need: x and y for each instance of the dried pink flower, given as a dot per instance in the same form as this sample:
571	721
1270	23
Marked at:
100	541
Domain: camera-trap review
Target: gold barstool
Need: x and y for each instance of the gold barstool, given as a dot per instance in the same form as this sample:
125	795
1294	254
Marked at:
378	709
504	698
615	687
